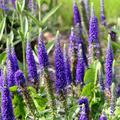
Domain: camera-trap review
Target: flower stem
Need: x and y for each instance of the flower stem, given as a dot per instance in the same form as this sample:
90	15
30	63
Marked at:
23	43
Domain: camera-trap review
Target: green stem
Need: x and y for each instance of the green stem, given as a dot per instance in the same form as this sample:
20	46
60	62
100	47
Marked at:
64	102
39	12
23	43
50	91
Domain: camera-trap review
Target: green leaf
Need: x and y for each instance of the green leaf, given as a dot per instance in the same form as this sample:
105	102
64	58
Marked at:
87	90
50	46
97	69
26	27
73	111
19	107
2	57
2	27
33	18
20	5
116	45
39	100
23	5
89	75
50	13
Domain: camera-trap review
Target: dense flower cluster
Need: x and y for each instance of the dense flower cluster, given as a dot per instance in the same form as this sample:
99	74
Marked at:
10	68
6	108
16	66
68	73
93	29
20	78
32	69
42	53
77	17
59	66
80	70
109	62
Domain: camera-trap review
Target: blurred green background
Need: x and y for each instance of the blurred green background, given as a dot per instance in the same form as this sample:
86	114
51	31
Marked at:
112	9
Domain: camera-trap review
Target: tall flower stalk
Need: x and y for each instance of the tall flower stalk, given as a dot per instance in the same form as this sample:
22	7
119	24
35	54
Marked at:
68	72
32	69
94	45
60	73
21	83
79	40
42	53
109	63
44	64
80	70
15	60
77	16
6	107
59	66
10	65
73	46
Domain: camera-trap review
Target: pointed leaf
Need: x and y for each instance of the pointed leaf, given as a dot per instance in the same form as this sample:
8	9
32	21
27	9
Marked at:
49	14
2	26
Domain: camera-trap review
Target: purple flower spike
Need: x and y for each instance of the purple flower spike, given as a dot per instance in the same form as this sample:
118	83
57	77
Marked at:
77	17
32	69
6	107
83	116
10	68
93	28
14	57
79	40
20	78
59	66
80	67
103	18
42	53
85	101
68	72
103	116
109	62
10	74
